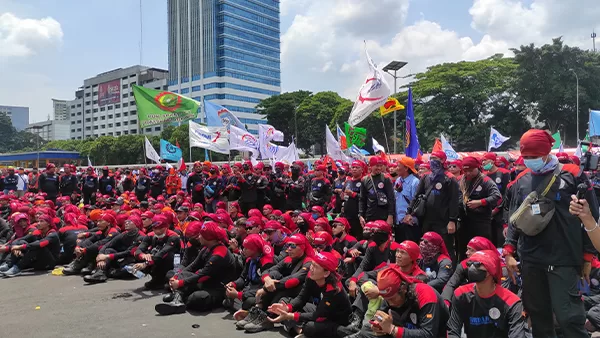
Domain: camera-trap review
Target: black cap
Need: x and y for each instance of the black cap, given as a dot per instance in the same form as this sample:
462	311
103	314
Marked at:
183	209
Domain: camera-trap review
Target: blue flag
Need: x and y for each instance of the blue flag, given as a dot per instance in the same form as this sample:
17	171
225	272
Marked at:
217	116
594	122
169	152
412	141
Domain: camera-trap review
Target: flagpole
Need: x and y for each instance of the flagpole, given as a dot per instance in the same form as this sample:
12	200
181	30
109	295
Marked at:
145	159
385	135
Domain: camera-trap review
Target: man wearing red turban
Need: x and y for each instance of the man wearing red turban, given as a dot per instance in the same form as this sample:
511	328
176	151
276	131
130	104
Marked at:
480	197
553	260
484	308
201	288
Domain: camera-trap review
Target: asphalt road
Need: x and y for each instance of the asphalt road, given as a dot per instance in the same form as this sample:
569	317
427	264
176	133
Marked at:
70	309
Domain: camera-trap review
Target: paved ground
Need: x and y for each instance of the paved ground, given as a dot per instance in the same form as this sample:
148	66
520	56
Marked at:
69	309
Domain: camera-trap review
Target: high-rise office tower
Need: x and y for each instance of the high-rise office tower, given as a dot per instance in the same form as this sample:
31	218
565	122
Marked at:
226	52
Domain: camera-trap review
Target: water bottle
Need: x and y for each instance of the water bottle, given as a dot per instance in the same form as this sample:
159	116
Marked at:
176	260
429	274
138	274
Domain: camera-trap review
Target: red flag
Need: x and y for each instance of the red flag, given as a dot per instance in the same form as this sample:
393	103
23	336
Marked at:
327	160
181	165
437	146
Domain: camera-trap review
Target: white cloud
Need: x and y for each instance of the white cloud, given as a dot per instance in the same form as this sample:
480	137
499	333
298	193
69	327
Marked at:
26	37
323	48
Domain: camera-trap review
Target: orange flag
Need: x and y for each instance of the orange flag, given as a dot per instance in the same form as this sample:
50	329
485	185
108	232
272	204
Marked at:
437	146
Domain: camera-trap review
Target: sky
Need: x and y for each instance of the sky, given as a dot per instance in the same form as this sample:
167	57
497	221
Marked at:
48	47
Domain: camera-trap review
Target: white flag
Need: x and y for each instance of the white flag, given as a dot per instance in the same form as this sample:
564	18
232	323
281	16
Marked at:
496	139
578	151
289	155
266	134
272	151
150	152
561	149
89	162
377	147
447	148
242	140
333	146
210	138
372	94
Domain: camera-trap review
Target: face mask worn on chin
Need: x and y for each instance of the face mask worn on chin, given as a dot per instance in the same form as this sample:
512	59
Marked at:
475	275
487	166
160	236
535	164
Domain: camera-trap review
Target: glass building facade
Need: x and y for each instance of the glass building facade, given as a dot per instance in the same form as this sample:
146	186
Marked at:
226	52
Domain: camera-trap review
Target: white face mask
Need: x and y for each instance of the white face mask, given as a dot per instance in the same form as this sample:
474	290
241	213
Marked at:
160	236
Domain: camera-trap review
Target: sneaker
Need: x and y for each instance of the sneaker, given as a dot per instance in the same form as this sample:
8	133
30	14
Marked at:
261	323
252	314
12	272
99	276
4	267
228	303
176	306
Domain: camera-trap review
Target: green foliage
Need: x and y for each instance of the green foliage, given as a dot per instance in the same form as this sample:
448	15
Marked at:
13	140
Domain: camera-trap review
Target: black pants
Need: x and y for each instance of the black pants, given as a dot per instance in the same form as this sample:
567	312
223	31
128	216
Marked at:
275	297
497	231
69	242
159	269
293	205
38	259
246	206
205	299
324	329
356	229
557	284
248	298
89	198
468	229
407	232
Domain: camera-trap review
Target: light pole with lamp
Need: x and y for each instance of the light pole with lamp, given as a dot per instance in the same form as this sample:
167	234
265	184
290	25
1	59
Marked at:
37	138
577	104
395	66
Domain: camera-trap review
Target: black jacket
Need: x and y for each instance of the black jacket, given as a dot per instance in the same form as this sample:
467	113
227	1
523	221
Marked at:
49	184
442	202
212	268
563	242
333	303
377	199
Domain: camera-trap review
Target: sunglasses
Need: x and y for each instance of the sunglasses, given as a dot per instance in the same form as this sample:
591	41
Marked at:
292	246
452	166
476	264
320	246
269	232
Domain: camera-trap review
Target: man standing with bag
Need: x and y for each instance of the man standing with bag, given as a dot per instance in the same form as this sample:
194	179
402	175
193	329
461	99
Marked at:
436	202
376	198
555	251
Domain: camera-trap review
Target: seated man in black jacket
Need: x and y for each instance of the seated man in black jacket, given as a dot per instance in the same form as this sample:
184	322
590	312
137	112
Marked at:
156	252
199	286
38	250
117	252
89	244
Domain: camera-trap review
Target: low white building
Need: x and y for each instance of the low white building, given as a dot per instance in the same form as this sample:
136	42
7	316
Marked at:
51	130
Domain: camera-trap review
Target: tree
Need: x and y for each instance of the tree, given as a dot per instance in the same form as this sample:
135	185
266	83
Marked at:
280	111
464	99
13	140
546	86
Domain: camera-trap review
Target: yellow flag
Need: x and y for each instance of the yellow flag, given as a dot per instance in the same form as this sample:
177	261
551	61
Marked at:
389	106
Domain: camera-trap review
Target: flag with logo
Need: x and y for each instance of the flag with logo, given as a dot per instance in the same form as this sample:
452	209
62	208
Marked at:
209	138
355	135
448	150
150	152
437	145
241	140
159	106
356	152
372	94
413	148
217	115
557	140
289	154
496	139
391	105
266	134
341	138
169	152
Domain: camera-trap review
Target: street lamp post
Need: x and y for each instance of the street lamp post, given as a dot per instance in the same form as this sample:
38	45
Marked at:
296	125
577	104
395	66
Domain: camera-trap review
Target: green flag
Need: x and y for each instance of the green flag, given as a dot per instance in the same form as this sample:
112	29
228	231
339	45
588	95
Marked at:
355	135
556	137
159	106
584	149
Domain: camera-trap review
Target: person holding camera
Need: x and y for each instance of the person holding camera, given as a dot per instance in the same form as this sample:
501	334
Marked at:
555	251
